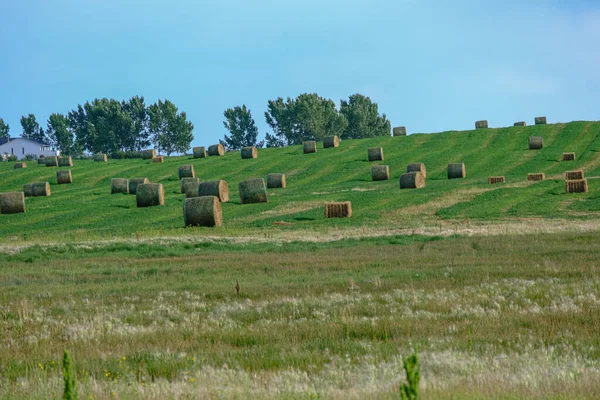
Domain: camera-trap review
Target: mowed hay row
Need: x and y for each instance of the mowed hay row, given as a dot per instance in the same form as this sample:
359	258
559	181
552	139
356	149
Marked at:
520	123
412	180
158	160
149	195
100	157
216	150
537	176
541	120
199	152
65	162
457	171
417	167
496	179
375	154
342	209
51	161
37	189
576	186
119	185
253	190
249	152
310	146
218	188
20	165
275	181
481	124
148	154
380	172
536	142
568	157
202	211
12	203
64	177
574	175
186	171
183	181
331	141
190	188
399	131
135	182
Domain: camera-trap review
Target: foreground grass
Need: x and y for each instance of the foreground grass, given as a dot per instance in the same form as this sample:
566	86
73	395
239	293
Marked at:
506	316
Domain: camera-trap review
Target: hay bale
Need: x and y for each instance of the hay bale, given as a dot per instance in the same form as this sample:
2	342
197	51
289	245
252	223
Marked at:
520	123
202	211
331	141
100	157
375	154
253	190
12	203
199	152
576	186
456	171
135	182
537	176
249	152
412	180
309	146
190	188
119	185
417	167
183	181
218	188
41	161
150	194
536	142
51	161
483	124
341	209
399	131
64	177
568	156
541	121
276	181
380	172
65	162
574	175
159	159
148	154
20	165
216	150
37	189
496	179
186	171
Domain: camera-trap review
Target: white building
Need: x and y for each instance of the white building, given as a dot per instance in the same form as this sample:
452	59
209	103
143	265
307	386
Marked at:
21	147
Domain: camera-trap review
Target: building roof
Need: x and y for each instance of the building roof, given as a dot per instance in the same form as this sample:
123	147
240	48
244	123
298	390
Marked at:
6	140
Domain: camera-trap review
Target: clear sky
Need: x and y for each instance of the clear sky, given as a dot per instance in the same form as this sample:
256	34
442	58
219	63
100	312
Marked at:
430	65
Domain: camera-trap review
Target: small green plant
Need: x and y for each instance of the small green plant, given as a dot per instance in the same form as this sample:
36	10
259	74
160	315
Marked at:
70	392
412	367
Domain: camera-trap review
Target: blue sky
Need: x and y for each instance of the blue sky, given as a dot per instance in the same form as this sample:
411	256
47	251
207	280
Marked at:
430	65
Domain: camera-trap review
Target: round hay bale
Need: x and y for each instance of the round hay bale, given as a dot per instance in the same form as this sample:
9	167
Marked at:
309	146
338	209
541	121
576	186
199	152
574	175
64	177
186	171
375	154
65	162
202	211
276	181
536	142
159	159
148	154
399	131
537	176
150	194
380	172
417	167
51	161
100	157
183	181
412	180
483	124
496	179
331	141
135	182
218	188
456	171
20	165
12	203
249	152
191	188
41	161
568	156
216	150
119	185
37	189
253	190
520	123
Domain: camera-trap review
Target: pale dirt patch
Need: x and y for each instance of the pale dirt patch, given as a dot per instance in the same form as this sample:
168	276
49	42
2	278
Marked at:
292	208
356	189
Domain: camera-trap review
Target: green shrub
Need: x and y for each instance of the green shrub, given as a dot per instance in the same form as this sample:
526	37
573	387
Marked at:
70	392
412	367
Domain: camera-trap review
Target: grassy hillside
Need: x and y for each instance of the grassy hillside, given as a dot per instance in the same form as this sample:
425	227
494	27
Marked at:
87	210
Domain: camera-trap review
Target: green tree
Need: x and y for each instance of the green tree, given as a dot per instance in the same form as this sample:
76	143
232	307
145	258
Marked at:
32	130
61	135
137	110
307	117
363	118
4	129
241	126
171	131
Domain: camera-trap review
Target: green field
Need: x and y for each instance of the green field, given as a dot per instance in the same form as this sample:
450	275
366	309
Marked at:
497	285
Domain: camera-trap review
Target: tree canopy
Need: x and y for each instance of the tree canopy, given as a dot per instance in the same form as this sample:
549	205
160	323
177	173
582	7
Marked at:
61	135
363	118
242	128
32	130
171	131
4	129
